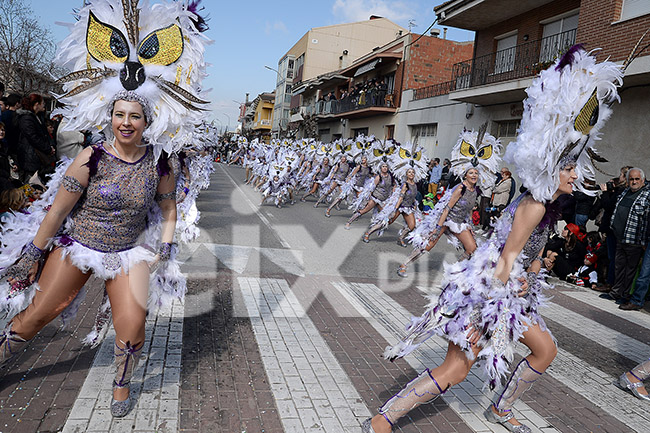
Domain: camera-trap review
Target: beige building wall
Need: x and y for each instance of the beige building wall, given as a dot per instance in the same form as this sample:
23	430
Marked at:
326	44
323	46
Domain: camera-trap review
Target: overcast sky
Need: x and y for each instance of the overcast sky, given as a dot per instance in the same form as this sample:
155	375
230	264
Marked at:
250	34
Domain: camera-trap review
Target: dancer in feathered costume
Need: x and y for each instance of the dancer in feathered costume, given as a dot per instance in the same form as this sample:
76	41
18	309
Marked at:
338	173
320	169
276	187
475	158
384	181
353	185
492	300
409	163
113	208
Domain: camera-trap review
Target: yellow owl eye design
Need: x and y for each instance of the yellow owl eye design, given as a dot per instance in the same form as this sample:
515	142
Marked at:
467	149
348	147
324	149
359	145
588	115
485	152
105	43
378	153
339	147
313	147
418	156
404	154
161	47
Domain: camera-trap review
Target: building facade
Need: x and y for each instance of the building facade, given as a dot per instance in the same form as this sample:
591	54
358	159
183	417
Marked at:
322	50
262	108
514	41
368	96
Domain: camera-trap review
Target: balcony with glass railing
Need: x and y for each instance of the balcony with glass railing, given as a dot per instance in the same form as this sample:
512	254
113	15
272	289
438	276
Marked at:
373	102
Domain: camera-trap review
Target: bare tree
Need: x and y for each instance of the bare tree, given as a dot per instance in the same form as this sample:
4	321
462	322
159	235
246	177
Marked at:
26	49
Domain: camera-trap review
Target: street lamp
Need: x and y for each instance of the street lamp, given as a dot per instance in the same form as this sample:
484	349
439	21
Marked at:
228	121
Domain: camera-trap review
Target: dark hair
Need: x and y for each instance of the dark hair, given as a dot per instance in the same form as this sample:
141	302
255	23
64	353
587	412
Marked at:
437	160
2	126
593	238
31	100
2	87
13	99
571	241
37	187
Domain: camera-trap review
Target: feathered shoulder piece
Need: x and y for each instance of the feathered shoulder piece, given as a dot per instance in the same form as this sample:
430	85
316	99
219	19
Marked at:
409	156
479	150
153	52
566	107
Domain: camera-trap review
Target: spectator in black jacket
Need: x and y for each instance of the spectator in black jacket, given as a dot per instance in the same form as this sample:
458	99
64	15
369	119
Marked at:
35	151
607	202
584	204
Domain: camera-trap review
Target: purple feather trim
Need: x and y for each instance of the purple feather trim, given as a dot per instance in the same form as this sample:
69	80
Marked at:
551	216
163	165
199	22
568	57
93	161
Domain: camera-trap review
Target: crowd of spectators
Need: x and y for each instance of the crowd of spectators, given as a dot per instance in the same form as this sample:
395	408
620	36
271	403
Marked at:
29	148
605	238
369	93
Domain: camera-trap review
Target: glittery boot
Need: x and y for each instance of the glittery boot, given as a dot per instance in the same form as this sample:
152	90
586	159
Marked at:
520	381
641	372
126	359
423	389
10	345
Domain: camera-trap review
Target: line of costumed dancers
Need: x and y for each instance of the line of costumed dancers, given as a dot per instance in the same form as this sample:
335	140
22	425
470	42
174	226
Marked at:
491	297
118	211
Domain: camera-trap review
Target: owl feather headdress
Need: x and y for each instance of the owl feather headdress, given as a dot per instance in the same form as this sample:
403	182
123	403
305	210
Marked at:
409	156
566	107
479	150
381	152
154	52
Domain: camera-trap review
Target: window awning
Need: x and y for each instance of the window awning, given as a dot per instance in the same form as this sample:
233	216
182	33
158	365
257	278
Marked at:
295	117
367	67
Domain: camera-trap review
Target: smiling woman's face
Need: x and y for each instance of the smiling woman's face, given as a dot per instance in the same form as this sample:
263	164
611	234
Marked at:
128	122
567	177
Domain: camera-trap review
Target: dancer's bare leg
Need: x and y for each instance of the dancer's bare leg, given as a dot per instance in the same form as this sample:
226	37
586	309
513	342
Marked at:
60	282
469	244
453	370
312	191
128	296
356	215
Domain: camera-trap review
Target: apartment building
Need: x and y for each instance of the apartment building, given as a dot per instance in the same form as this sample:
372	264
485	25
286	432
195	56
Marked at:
262	109
366	97
322	50
515	40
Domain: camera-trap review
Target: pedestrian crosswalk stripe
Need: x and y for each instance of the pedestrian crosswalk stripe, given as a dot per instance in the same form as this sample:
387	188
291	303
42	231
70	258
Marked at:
590	298
311	389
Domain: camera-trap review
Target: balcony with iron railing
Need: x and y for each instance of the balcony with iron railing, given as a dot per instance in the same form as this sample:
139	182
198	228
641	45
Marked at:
368	103
520	61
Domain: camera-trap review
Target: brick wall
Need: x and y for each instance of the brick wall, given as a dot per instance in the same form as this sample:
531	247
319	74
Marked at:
527	24
432	59
595	29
